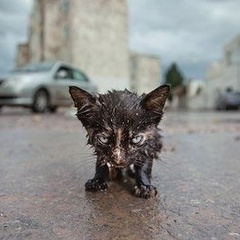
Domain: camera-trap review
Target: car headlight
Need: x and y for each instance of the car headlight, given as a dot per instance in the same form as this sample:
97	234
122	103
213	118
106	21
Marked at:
14	82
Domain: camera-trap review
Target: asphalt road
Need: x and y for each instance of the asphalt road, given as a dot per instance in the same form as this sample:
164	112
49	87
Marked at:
44	163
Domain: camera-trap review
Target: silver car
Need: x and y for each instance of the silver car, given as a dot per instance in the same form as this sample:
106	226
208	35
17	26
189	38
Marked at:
42	86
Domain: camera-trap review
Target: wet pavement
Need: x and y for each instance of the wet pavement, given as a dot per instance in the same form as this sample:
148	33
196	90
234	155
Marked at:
44	164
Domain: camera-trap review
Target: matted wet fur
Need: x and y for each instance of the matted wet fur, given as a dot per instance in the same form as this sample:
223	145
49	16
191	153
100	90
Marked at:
123	129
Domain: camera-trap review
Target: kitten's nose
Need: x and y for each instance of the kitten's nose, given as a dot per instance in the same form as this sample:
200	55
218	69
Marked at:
117	152
117	158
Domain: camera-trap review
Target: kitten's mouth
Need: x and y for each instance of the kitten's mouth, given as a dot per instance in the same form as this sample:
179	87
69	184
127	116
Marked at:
115	165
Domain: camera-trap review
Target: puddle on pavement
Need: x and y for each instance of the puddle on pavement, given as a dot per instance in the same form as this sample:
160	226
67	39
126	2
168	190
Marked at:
120	215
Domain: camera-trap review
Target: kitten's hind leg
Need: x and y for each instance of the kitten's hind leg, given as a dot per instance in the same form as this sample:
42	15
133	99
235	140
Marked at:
99	181
144	189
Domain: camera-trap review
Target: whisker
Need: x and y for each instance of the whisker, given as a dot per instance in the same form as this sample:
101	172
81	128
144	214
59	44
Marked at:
79	173
83	167
76	167
163	163
167	163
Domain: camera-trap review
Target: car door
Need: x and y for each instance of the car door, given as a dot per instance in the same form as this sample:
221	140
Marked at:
63	79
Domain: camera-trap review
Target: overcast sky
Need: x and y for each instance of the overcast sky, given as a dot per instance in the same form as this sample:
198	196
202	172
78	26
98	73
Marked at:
13	29
191	33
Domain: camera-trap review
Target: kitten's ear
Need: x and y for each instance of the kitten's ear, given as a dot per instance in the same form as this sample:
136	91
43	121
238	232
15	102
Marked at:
80	97
155	100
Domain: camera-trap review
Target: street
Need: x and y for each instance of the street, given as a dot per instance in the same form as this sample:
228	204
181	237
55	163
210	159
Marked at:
44	164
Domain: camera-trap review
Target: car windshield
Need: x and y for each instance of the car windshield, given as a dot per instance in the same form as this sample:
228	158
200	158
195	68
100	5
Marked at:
37	67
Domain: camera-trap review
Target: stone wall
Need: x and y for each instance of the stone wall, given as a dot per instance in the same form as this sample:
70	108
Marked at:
45	31
145	72
100	38
34	30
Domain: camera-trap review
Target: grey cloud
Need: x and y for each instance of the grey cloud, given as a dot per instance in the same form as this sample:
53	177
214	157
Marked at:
13	29
15	7
184	31
13	23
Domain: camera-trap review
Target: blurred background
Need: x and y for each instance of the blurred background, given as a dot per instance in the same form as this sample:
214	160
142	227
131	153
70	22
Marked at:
117	44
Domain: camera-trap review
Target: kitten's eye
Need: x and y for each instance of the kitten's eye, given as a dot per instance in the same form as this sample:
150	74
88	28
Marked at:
103	139
137	139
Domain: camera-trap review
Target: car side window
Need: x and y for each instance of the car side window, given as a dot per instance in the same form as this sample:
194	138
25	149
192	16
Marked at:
79	76
64	73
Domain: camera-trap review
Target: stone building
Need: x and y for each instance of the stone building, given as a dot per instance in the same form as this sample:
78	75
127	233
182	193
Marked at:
101	38
144	72
91	35
225	73
47	31
195	97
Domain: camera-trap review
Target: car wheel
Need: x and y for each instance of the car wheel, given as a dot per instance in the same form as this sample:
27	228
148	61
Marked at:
40	101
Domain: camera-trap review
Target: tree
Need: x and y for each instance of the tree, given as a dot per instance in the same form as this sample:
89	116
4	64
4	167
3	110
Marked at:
174	76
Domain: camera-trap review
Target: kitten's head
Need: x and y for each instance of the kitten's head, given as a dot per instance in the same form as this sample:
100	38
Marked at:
121	125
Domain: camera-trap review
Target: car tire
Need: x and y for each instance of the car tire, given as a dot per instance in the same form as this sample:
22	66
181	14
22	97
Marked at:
40	101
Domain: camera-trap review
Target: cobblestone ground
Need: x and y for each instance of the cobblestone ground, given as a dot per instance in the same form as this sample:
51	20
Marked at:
44	163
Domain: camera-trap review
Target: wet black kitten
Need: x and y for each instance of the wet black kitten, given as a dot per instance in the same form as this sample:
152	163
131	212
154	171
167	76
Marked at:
122	128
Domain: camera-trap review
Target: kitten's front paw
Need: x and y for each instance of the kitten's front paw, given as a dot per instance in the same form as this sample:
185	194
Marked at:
145	191
94	185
